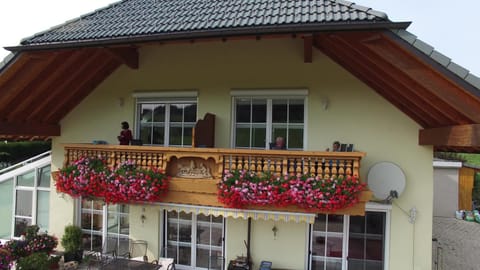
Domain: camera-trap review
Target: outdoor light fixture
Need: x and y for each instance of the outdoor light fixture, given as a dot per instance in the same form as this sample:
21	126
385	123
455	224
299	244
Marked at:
274	230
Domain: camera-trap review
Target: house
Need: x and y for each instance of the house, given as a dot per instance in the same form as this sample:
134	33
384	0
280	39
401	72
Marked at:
310	71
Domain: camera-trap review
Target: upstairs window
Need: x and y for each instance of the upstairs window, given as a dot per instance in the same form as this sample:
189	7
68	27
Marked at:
166	121
259	120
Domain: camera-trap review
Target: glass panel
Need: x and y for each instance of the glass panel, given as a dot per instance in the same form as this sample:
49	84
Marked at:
44	177
176	112
23	204
21	225
146	113
296	111
6	205
158	134
217	235
333	264
146	133
27	179
159	113
202	257
243	111
94	205
187	136
279	111
92	241
320	223
318	264
259	135
259	111
175	135
318	246
334	246
190	114
242	137
184	255
124	224
335	223
295	138
43	203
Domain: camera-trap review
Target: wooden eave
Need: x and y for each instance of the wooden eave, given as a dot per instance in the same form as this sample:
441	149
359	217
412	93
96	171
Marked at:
39	88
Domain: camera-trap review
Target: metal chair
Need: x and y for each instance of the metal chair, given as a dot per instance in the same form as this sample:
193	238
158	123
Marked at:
137	250
102	257
265	265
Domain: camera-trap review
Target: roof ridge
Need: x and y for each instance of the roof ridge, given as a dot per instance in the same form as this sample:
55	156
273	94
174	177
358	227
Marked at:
368	10
60	25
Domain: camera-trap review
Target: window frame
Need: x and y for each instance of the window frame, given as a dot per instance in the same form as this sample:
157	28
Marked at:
370	207
194	222
269	95
36	167
167	98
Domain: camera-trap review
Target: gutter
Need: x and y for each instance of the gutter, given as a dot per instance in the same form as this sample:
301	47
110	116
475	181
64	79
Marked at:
214	33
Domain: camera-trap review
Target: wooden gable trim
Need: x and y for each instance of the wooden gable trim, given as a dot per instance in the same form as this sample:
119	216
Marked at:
126	55
451	136
45	89
29	129
410	65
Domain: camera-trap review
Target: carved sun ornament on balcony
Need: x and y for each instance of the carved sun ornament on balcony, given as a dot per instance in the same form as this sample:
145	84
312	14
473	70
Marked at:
193	170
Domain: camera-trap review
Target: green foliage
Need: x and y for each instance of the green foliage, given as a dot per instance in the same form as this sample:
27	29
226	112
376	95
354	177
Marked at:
14	152
450	156
34	261
72	238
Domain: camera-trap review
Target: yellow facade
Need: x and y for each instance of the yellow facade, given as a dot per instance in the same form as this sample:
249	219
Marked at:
355	114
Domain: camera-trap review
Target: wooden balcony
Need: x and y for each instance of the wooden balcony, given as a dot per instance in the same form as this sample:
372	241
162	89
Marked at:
195	172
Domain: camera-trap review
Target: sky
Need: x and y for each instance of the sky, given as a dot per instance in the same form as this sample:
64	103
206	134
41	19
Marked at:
452	29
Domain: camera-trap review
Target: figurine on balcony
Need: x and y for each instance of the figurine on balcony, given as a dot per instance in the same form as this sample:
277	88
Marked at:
335	147
125	135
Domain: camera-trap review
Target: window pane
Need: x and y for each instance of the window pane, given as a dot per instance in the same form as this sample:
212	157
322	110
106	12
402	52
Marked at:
295	138
43	203
27	179
21	225
333	264
44	177
259	135
190	113
184	255
6	205
158	135
320	223
243	111
176	112
159	113
279	111
242	137
175	135
23	204
296	111
335	223
334	246
259	111
202	257
318	264
92	241
146	133
146	113
187	136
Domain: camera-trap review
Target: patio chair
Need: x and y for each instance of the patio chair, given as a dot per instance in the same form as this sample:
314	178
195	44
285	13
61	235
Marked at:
137	250
103	256
165	263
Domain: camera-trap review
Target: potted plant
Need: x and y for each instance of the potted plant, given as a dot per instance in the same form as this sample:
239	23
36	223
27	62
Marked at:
34	261
72	243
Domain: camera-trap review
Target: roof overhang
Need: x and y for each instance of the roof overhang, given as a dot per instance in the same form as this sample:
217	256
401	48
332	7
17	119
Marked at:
42	84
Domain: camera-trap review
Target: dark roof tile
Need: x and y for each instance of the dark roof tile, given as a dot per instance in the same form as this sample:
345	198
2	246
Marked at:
129	18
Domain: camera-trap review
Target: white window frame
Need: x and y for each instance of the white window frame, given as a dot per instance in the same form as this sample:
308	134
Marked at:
193	240
13	175
167	98
104	231
370	207
269	95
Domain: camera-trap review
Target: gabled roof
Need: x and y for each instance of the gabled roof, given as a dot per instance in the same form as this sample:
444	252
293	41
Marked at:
157	18
51	72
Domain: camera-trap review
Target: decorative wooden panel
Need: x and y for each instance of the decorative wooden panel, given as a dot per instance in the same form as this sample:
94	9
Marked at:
465	187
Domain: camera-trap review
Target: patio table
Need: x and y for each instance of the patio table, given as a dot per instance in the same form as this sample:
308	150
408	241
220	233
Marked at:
121	263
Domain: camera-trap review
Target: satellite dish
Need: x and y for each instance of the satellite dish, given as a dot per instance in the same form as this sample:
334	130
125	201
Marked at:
386	180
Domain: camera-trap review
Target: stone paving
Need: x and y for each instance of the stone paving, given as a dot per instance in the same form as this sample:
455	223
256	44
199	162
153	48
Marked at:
458	242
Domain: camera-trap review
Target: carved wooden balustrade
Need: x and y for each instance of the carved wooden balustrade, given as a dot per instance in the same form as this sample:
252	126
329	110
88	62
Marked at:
324	164
195	172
